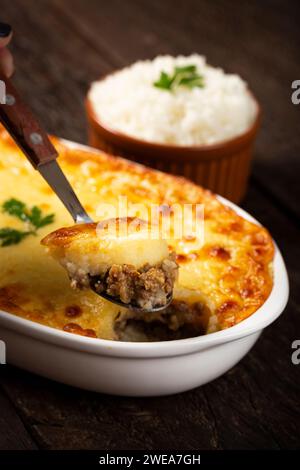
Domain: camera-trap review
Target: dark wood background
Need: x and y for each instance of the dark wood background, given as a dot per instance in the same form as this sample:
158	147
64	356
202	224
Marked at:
59	47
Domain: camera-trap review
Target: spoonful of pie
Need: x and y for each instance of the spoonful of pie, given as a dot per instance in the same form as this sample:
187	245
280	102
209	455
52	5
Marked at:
118	260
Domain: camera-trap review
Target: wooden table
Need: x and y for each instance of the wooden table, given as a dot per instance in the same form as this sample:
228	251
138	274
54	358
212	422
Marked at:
59	47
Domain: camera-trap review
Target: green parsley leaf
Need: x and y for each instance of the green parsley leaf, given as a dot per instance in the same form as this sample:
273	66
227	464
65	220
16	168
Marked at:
164	81
11	236
37	220
186	68
16	208
192	81
182	76
34	219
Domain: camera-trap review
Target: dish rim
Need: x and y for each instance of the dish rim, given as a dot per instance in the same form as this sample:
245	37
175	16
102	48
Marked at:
264	316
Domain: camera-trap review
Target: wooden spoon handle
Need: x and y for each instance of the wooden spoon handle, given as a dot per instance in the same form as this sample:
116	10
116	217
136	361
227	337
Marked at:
22	125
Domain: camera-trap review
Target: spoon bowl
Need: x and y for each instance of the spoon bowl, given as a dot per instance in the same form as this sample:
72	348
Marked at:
132	306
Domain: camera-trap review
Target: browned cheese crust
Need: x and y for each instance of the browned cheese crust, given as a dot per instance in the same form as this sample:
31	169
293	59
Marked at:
231	274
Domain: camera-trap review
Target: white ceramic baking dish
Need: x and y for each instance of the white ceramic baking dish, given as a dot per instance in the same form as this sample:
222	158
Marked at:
139	369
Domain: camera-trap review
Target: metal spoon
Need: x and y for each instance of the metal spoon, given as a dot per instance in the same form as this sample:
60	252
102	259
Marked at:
28	134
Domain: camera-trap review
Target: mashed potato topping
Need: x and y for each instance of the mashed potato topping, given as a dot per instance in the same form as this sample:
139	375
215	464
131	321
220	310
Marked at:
117	257
128	101
96	249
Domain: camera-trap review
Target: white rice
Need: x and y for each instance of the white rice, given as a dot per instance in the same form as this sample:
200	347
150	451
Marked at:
128	102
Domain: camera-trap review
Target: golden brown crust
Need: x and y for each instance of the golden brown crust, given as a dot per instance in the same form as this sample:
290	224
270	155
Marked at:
65	235
231	272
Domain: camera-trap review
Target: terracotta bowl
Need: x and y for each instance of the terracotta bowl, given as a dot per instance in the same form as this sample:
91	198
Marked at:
223	167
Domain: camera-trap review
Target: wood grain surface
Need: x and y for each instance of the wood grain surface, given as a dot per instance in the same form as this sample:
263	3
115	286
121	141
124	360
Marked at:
60	46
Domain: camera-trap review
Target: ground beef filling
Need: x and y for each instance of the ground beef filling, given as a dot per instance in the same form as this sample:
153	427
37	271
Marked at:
147	287
178	321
